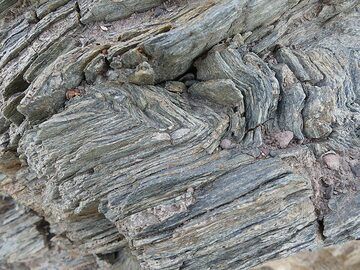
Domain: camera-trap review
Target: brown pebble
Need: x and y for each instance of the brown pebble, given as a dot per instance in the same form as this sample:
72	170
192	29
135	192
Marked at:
176	87
71	93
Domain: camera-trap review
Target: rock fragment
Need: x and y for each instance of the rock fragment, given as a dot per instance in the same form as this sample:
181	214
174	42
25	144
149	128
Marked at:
175	87
250	74
318	112
226	144
143	75
96	68
46	94
332	161
187	77
71	93
30	16
222	92
133	58
292	100
284	138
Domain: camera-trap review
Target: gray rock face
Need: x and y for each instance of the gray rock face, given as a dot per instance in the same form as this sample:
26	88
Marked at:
108	10
176	134
342	223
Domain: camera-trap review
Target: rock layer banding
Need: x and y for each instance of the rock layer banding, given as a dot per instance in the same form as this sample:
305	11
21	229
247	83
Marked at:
177	134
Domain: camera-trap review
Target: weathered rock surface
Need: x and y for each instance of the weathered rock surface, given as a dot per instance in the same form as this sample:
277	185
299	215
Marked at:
178	134
342	222
100	10
345	256
223	92
25	242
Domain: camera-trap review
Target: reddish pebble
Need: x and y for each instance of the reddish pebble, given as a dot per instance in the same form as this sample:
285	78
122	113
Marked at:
332	161
265	151
226	144
284	138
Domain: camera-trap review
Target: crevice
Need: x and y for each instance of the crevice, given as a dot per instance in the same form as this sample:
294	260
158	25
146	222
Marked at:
182	266
321	229
121	259
191	70
107	63
16	86
259	125
78	10
36	17
43	227
110	257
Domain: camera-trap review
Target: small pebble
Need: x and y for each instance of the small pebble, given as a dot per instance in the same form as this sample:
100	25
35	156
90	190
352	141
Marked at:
161	136
112	75
74	92
273	153
238	40
332	161
30	16
226	144
284	138
176	87
143	75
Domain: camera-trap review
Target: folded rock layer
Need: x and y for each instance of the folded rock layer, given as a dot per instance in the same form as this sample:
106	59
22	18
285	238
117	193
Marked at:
215	134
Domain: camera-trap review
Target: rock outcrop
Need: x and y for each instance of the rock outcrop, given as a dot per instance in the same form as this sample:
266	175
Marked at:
215	134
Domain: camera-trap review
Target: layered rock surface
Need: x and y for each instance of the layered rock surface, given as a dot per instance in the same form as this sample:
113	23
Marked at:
344	256
150	134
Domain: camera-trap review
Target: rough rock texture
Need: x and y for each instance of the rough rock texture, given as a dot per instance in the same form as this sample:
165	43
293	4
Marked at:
25	242
213	134
332	258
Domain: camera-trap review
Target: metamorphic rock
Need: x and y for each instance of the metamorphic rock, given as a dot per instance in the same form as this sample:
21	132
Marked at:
184	134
